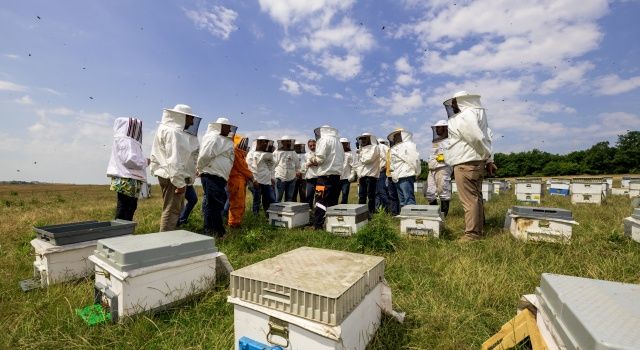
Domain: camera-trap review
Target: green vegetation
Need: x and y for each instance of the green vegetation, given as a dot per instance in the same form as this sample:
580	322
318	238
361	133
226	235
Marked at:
455	294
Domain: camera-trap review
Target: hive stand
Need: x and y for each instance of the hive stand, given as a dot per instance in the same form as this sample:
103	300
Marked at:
516	330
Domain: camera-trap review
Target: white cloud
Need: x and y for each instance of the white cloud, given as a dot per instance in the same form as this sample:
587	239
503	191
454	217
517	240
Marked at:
11	56
341	68
9	86
217	20
291	87
288	12
338	96
405	72
400	103
346	35
569	75
308	73
612	84
24	100
275	133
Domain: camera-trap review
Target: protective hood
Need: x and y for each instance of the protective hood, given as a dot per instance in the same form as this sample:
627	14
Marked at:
399	136
365	139
241	142
443	125
264	145
193	129
300	148
346	145
461	101
326	131
286	144
176	117
383	141
223	127
128	127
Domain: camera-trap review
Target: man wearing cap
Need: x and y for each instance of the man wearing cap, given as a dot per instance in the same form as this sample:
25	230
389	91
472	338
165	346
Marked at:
439	178
214	165
328	158
287	167
470	154
368	155
171	152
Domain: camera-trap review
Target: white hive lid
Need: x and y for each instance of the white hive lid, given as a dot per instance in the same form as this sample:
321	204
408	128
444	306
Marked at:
288	207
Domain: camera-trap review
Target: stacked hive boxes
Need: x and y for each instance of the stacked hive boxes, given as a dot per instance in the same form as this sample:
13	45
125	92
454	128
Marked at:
529	190
288	214
540	224
559	187
632	225
423	220
587	190
346	219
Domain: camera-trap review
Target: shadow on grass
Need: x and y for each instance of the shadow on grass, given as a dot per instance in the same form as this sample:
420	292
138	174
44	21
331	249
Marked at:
392	334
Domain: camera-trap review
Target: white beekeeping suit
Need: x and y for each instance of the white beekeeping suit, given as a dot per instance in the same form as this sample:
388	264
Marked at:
368	156
286	161
405	159
347	167
469	138
260	160
300	149
439	178
216	155
383	145
329	154
127	159
172	151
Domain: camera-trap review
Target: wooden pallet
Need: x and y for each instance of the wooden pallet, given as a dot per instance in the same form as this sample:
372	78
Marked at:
519	328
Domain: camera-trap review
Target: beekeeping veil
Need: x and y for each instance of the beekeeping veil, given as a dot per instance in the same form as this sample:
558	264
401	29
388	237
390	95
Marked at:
365	139
460	101
193	128
399	136
224	127
300	148
286	143
263	144
440	130
383	141
129	127
346	145
241	141
318	131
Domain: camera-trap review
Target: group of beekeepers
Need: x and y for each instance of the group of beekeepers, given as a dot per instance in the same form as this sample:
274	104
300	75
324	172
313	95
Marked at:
317	172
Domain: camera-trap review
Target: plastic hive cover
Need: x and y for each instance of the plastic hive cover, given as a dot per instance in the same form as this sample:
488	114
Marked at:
592	314
289	207
84	231
318	284
132	252
347	209
529	180
636	213
588	180
420	210
542	213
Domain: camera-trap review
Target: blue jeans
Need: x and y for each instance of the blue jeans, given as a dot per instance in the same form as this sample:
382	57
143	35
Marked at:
268	196
311	191
285	189
213	202
345	187
255	192
394	202
367	192
382	191
405	190
192	198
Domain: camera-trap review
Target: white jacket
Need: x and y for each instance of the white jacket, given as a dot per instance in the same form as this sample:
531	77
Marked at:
369	159
329	153
127	159
347	168
302	160
311	171
469	138
216	155
287	165
261	165
383	155
405	159
438	147
172	149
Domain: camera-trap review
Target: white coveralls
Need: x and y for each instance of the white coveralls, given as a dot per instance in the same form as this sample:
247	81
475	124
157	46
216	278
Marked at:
439	178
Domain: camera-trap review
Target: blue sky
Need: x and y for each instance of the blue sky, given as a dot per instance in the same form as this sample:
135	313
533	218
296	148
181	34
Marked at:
555	75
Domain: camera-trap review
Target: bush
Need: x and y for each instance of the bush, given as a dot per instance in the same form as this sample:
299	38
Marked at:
378	234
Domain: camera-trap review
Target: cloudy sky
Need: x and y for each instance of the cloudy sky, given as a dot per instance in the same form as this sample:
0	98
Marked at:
557	75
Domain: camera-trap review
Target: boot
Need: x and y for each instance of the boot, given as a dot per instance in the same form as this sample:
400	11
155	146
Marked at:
444	207
434	202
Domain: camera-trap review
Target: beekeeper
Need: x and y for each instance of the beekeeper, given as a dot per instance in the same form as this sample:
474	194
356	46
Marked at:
469	153
287	167
214	165
300	194
368	154
127	166
404	164
439	178
190	195
239	176
261	165
311	174
328	158
171	152
382	190
347	175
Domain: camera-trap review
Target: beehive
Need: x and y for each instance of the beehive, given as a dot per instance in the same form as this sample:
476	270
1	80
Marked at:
632	225
587	190
529	189
559	187
540	224
420	220
288	214
346	219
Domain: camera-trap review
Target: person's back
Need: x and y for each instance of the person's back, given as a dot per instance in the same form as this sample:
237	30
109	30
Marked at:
329	159
404	164
238	178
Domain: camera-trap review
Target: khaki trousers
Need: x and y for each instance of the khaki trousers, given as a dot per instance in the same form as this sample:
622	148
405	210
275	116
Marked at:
171	205
469	181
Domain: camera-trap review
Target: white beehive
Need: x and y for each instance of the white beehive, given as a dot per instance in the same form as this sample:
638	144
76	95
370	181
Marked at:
559	187
540	224
587	190
624	183
418	186
582	313
309	298
346	219
632	225
288	214
634	188
487	190
529	190
499	186
148	272
420	220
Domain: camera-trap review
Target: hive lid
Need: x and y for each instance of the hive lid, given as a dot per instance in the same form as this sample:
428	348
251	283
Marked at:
132	252
636	213
420	210
587	180
560	181
289	207
592	314
347	209
84	231
542	213
529	180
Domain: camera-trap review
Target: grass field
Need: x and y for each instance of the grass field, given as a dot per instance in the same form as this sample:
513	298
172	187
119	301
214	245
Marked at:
455	294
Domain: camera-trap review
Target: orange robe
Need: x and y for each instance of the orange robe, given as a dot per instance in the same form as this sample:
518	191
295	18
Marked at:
237	184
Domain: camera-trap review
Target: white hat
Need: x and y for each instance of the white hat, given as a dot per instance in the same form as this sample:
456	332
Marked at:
182	109
344	139
463	94
366	134
285	137
262	137
441	122
223	120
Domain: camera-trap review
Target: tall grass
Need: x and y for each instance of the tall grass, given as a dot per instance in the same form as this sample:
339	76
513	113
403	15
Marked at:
455	294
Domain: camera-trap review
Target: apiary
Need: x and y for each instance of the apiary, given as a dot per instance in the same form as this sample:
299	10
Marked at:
540	224
624	183
421	220
559	187
583	313
487	190
529	190
634	188
62	250
147	272
308	298
288	214
346	219
587	190
632	225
